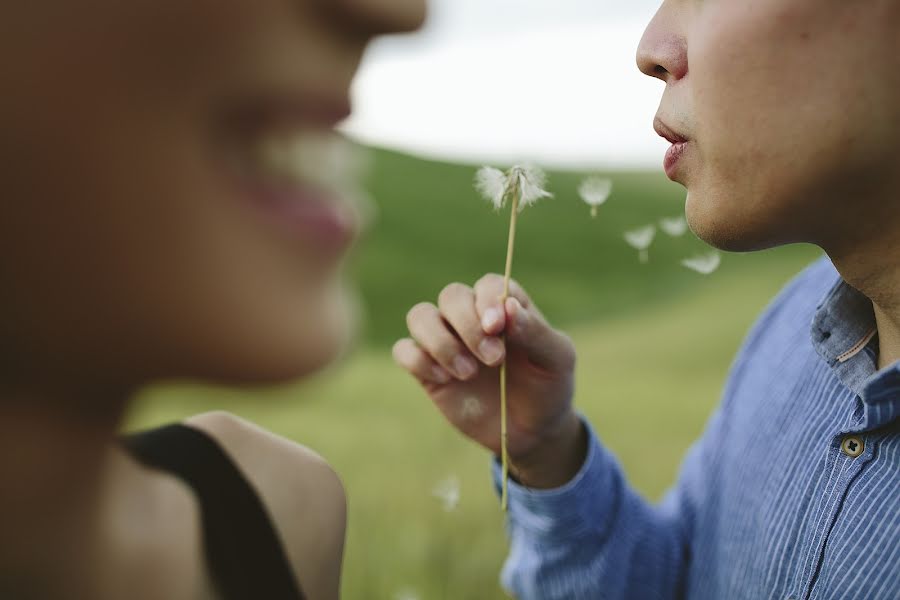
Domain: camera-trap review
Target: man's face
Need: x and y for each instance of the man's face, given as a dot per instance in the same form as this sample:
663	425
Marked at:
790	110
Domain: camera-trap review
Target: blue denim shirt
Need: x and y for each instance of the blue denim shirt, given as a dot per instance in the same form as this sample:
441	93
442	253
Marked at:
793	491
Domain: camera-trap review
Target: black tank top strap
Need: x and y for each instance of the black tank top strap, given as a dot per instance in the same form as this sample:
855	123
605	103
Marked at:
244	554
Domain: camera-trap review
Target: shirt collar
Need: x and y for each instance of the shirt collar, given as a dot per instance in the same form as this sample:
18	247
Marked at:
844	335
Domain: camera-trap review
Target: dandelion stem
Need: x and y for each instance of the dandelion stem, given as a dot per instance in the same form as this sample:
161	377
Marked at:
504	453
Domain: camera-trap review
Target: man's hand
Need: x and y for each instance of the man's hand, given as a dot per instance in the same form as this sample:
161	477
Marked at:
455	351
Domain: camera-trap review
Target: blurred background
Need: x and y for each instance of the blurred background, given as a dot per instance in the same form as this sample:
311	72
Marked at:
495	82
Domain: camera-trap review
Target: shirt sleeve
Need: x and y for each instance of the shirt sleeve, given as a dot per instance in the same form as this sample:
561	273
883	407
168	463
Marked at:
596	538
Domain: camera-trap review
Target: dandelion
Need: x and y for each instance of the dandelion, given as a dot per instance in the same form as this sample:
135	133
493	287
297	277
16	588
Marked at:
595	191
705	264
523	185
448	492
532	182
640	239
674	226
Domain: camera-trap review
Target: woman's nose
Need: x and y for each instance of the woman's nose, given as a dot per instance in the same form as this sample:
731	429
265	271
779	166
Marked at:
376	17
662	52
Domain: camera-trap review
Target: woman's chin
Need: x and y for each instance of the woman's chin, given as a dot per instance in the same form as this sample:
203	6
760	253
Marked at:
293	348
287	361
315	348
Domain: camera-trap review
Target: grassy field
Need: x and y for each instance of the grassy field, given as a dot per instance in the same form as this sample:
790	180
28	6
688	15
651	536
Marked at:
655	342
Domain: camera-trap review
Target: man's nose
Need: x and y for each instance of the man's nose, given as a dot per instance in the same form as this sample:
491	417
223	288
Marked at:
375	17
662	52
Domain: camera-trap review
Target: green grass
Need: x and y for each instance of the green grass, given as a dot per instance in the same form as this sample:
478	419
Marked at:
654	342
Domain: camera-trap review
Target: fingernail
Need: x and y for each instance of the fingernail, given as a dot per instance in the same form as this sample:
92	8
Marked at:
440	375
491	318
464	366
519	319
491	349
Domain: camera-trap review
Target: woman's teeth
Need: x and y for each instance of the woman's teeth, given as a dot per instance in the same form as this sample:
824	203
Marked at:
297	167
321	160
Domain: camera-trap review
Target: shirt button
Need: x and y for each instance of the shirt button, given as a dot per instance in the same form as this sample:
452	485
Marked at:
852	446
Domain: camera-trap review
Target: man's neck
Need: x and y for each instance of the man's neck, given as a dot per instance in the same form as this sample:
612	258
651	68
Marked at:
873	268
888	337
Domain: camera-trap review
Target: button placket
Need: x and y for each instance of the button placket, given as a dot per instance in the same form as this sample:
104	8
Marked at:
850	447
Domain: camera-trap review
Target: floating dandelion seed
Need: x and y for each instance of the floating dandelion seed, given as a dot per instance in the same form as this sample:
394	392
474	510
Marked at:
523	185
674	226
595	191
471	409
448	492
640	239
705	264
406	594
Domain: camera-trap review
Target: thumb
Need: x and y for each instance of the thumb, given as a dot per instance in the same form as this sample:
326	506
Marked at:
546	347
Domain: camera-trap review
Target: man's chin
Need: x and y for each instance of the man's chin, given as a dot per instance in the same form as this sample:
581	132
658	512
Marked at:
726	229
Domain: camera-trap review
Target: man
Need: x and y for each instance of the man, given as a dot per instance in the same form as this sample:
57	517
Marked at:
784	118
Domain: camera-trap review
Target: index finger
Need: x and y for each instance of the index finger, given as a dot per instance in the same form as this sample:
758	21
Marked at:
489	301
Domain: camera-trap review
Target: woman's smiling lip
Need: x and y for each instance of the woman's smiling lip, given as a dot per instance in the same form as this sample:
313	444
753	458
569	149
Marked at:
675	151
327	222
295	170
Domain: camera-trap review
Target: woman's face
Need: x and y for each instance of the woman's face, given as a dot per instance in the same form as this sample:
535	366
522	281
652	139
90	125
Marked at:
791	114
174	201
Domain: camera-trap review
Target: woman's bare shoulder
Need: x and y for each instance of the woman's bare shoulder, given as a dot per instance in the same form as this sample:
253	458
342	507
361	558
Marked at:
304	496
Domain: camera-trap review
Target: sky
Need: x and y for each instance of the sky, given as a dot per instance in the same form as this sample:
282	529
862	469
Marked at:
549	81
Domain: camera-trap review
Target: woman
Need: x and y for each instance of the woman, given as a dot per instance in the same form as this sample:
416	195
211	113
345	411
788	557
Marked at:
168	212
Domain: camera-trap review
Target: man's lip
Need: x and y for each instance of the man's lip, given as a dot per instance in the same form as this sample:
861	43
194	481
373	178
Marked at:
672	158
667	132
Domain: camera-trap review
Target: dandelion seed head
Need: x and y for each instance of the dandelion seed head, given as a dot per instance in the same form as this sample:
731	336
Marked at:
641	238
595	190
673	226
492	184
448	492
531	182
532	173
705	264
526	181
